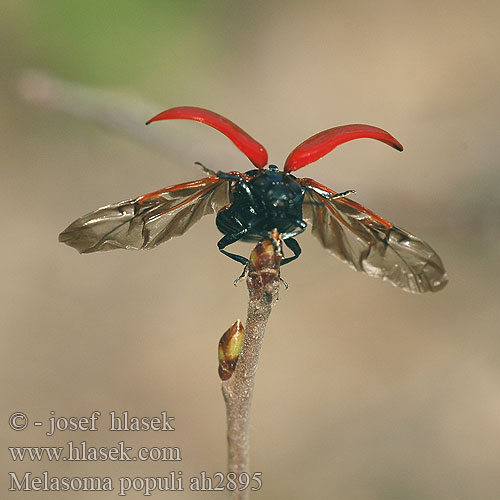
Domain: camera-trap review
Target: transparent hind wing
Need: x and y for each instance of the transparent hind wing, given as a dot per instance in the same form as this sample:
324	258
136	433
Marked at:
372	245
149	220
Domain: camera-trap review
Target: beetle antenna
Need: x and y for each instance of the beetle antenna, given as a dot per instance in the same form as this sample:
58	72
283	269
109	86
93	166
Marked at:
208	171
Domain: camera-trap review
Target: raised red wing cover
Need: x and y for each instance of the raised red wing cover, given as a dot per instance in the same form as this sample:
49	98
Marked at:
255	152
322	143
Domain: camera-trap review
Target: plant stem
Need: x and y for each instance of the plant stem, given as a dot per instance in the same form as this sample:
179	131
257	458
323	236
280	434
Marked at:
263	282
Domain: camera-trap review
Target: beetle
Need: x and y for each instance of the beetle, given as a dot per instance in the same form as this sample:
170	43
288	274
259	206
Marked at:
251	205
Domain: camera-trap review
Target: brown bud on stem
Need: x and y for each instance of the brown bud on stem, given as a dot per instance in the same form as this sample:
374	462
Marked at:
229	349
264	263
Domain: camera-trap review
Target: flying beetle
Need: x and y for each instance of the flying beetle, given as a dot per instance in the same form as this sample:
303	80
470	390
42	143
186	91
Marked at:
251	205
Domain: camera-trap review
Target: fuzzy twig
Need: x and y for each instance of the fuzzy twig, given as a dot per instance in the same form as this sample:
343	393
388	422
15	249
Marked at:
263	282
117	111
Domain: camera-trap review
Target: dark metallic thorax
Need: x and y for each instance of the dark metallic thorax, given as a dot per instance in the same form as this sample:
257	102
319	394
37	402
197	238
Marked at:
270	199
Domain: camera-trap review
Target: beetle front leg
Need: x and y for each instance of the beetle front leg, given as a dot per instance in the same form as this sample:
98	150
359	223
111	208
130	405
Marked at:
300	228
228	240
294	246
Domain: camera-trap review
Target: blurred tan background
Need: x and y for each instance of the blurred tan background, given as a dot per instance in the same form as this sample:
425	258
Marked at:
363	391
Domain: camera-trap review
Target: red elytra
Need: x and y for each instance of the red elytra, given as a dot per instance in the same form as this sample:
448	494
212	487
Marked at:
322	143
254	151
307	152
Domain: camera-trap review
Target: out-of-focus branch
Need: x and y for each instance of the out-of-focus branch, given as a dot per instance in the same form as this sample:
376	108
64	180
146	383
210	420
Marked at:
263	282
116	111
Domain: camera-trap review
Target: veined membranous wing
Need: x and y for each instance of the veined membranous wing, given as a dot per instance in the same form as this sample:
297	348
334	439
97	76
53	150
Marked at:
148	220
372	245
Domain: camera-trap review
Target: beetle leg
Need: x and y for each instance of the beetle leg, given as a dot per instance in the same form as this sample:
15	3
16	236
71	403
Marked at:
341	195
301	227
332	196
285	284
242	276
228	240
323	191
294	246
